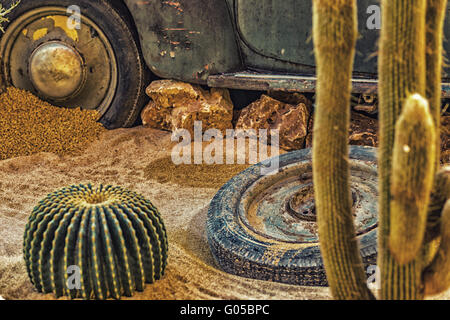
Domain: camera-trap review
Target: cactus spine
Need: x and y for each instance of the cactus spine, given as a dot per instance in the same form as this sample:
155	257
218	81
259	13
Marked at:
335	32
114	237
412	178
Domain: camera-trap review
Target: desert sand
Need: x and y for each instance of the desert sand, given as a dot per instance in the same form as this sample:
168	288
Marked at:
121	157
124	157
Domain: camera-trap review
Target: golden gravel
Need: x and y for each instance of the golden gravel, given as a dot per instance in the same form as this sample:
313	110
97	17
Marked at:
29	125
192	175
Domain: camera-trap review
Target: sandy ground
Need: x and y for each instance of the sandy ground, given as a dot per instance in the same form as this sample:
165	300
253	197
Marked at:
122	157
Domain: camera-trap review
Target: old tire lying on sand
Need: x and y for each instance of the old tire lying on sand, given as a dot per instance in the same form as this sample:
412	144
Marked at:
263	226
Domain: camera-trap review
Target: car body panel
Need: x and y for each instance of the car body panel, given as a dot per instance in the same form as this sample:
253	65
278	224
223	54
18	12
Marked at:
282	31
190	40
186	40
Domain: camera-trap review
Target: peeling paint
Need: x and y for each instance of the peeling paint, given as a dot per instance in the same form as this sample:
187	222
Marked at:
61	22
40	33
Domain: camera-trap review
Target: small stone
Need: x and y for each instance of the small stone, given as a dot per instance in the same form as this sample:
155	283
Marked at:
269	113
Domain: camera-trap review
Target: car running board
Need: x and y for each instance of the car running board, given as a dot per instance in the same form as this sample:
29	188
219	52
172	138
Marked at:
265	82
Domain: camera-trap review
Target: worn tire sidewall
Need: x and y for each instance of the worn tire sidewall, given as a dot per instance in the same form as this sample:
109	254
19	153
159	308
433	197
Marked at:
240	253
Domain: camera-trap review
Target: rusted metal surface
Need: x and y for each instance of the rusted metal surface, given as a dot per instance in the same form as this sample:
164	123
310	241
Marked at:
263	82
282	207
196	41
186	40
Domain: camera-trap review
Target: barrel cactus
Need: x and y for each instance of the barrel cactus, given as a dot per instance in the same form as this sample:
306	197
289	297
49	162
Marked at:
413	236
113	237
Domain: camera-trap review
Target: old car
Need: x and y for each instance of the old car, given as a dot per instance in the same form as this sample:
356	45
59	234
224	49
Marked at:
101	54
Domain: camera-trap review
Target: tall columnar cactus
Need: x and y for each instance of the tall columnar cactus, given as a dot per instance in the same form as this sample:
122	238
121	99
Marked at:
114	237
435	17
403	69
335	32
412	216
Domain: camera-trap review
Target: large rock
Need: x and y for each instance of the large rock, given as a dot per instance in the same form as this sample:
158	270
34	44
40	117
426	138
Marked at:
269	113
177	105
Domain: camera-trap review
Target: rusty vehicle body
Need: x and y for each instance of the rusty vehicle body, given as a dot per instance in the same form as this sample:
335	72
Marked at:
237	44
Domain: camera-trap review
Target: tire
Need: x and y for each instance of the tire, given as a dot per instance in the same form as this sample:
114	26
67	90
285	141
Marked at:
125	77
241	249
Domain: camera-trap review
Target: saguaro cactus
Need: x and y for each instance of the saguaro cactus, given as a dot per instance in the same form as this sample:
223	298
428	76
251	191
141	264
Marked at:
335	32
411	215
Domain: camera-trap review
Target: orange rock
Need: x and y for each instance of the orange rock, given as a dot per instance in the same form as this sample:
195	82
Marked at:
269	113
177	105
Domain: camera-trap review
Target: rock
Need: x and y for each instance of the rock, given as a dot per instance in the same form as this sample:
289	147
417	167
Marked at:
363	131
154	116
173	94
177	105
269	113
290	97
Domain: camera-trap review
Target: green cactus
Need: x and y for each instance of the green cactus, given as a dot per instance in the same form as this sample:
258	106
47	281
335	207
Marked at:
412	215
114	236
334	33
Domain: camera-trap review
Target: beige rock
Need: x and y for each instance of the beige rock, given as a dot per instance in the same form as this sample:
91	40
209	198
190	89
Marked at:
269	113
173	94
157	117
177	105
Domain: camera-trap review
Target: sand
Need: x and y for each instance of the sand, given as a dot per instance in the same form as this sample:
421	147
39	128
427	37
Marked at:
122	157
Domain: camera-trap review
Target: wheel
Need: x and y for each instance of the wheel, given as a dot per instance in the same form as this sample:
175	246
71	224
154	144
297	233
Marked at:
264	226
76	53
